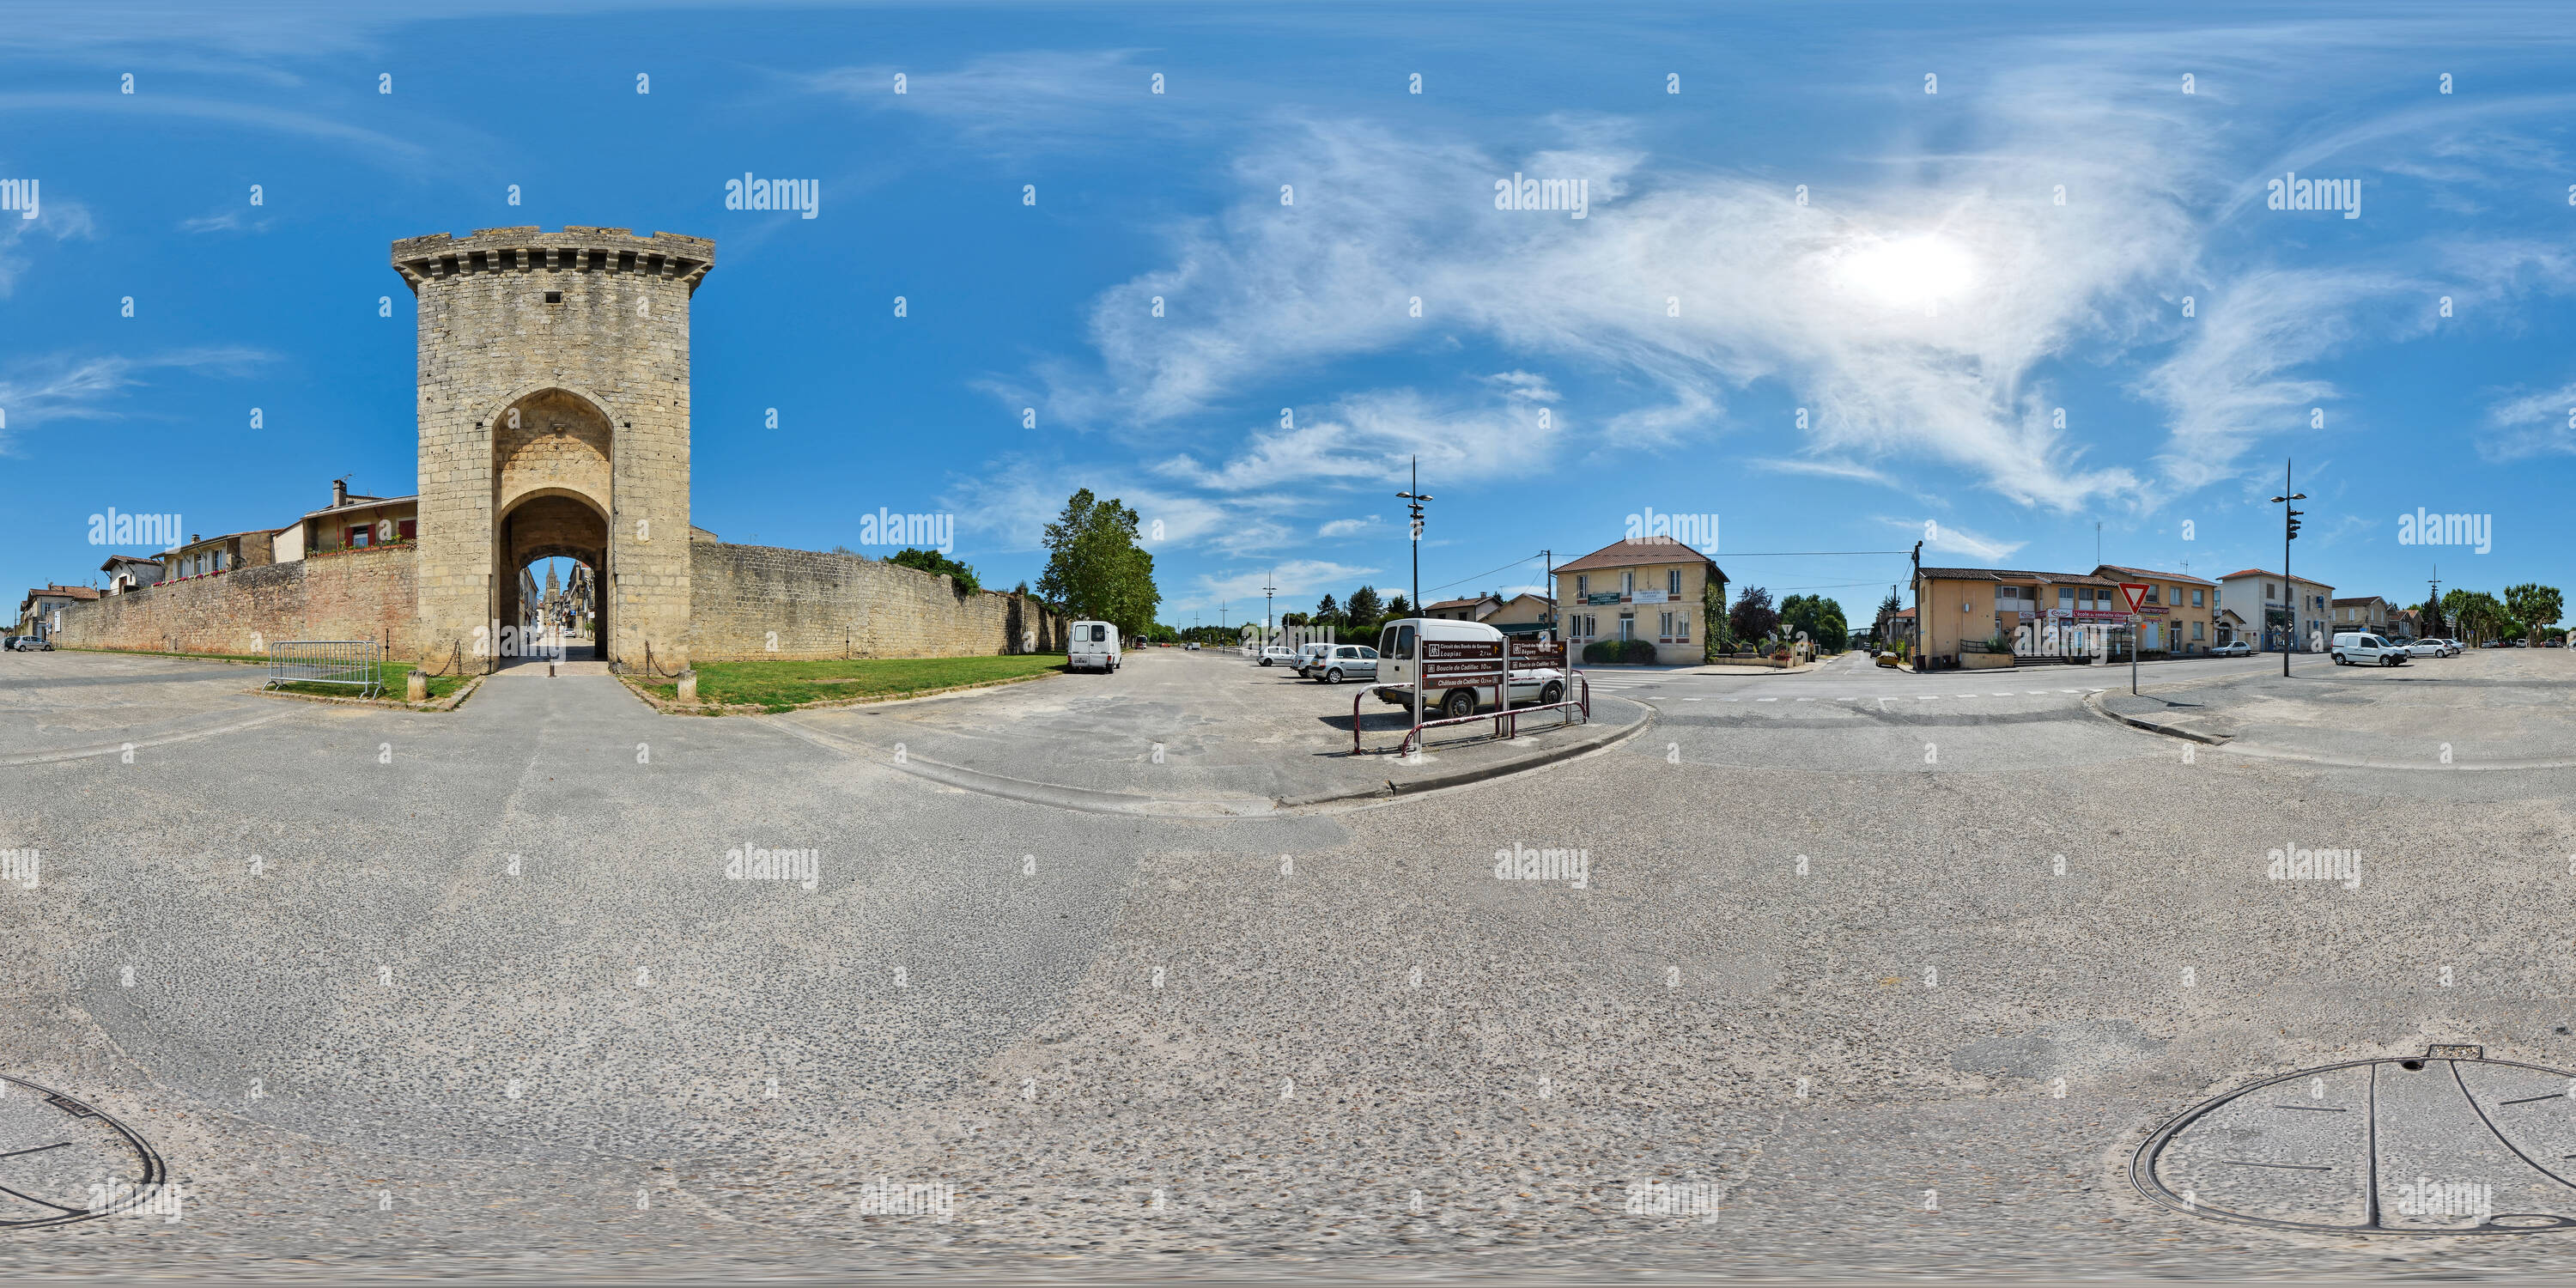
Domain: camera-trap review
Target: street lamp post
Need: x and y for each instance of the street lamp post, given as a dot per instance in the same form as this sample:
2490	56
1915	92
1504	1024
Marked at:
1414	500
2289	587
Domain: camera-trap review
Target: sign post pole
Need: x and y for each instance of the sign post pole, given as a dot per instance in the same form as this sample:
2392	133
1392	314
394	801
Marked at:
2137	593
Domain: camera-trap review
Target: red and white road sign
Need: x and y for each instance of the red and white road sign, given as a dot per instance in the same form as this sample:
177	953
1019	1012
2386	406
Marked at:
2137	593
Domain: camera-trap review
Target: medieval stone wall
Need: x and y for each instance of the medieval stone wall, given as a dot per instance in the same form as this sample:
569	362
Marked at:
363	594
827	606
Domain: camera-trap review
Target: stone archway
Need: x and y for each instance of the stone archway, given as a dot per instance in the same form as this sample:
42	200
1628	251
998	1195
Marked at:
553	490
548	525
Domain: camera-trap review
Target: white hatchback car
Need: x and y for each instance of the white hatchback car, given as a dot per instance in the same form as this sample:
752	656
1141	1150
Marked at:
1345	662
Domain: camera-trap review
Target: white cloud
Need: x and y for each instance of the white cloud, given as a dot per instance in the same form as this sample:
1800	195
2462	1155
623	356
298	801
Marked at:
1346	527
1373	437
1825	469
2231	382
61	387
1025	99
2536	424
1816	296
1946	538
61	220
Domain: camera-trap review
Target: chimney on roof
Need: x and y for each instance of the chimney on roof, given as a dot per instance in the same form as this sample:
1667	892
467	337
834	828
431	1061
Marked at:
192	538
339	492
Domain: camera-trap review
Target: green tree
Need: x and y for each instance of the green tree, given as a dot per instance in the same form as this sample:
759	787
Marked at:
1399	606
1328	613
1094	566
1363	610
1819	617
2536	606
931	561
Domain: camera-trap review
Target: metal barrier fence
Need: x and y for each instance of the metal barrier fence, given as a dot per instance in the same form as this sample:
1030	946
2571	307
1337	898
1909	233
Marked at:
359	664
1505	714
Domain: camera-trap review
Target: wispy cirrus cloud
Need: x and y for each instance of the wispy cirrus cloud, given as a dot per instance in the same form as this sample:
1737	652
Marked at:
55	218
58	387
1947	538
1372	437
2529	425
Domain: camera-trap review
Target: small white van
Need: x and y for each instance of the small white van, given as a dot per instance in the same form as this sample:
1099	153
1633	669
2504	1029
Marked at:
2352	648
1092	646
1454	697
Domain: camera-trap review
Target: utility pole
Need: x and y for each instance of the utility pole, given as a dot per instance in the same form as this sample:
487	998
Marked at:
1414	500
1920	627
1548	557
1267	590
2433	600
2097	543
2289	533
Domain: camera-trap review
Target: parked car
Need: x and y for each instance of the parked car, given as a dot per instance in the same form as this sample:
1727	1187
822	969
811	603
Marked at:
1279	654
2427	648
2233	648
1395	665
2450	647
1307	656
30	644
1191	647
1092	646
2352	648
1347	662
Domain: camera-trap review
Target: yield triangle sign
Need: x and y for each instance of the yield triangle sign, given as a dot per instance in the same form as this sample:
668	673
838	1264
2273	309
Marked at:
2137	593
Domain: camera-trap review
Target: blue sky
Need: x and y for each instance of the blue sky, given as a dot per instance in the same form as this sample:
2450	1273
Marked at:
1930	305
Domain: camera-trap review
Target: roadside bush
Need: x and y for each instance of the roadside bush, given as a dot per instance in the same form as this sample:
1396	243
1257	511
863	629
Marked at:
1601	652
1637	651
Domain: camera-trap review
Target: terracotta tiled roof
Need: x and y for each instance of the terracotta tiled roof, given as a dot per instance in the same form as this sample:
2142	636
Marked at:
2266	572
1625	554
2136	574
2012	574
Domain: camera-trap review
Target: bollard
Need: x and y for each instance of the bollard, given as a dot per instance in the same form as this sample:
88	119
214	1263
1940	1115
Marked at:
415	687
689	686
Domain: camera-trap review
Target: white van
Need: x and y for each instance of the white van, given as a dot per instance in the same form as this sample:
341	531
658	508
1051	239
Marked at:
1092	646
2352	648
1459	696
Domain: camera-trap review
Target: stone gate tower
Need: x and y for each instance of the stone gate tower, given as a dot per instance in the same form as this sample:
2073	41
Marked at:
554	420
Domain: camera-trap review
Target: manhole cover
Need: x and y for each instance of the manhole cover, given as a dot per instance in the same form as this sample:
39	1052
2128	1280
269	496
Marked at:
61	1160
2446	1143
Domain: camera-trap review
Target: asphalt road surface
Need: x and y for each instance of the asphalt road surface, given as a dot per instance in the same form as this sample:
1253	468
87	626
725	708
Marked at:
1841	974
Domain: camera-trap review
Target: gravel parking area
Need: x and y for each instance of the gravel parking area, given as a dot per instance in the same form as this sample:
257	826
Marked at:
1787	986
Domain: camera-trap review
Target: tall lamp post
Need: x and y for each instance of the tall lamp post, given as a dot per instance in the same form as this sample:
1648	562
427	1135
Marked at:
2289	587
1414	500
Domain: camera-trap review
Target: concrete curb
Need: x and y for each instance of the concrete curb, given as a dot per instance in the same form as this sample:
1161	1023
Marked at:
1482	773
671	708
1089	801
448	703
2093	703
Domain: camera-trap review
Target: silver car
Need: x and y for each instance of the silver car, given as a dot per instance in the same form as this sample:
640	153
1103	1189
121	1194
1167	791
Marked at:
1345	662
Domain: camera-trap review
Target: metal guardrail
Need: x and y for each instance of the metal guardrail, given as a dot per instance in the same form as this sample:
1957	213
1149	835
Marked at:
1506	717
359	664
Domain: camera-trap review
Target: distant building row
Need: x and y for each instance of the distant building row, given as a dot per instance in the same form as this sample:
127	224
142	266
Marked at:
350	522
